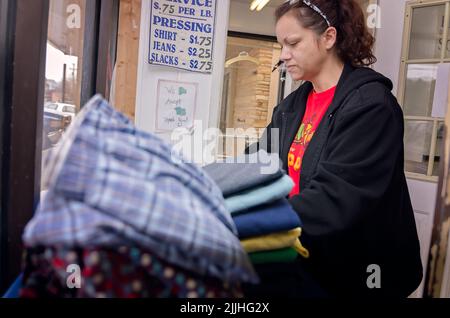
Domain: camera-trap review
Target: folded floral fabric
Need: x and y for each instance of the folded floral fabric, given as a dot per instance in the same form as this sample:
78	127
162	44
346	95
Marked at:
113	273
271	241
265	219
283	255
110	184
245	172
278	189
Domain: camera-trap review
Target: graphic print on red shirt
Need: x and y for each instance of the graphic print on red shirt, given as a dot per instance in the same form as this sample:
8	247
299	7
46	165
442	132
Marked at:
316	107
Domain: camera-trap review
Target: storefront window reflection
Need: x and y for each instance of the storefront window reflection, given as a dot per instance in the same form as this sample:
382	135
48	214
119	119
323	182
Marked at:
63	68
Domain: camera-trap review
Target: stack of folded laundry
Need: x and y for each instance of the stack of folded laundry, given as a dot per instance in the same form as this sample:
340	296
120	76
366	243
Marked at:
126	216
255	194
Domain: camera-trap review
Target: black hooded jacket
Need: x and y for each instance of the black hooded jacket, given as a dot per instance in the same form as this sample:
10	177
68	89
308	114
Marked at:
353	201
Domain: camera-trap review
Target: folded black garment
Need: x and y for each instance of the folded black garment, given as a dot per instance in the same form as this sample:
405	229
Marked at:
285	281
245	172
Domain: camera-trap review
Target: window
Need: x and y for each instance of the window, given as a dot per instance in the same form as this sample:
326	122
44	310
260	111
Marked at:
426	25
51	106
69	109
80	51
63	71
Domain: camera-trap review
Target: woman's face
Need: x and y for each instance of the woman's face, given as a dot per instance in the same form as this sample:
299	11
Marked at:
303	51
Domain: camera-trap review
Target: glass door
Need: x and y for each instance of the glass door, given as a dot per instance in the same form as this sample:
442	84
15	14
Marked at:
250	92
426	26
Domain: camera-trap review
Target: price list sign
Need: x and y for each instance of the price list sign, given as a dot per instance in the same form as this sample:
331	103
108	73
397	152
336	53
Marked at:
182	34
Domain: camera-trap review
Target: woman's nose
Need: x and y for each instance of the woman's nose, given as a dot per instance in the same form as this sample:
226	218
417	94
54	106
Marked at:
285	54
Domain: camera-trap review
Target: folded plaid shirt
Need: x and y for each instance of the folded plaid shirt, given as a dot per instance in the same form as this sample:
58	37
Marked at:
110	184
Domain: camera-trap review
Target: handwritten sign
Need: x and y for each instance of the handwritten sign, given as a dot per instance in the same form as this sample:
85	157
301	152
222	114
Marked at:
182	34
176	105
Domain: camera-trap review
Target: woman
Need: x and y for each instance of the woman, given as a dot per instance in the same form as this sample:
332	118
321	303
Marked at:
341	140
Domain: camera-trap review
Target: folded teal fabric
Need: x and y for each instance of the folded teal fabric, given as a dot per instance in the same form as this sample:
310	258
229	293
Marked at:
258	168
280	188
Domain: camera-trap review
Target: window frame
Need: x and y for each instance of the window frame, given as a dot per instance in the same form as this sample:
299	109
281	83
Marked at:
7	22
23	28
405	61
23	107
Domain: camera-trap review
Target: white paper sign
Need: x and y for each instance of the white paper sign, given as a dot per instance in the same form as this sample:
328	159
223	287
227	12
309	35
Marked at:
176	105
182	34
440	100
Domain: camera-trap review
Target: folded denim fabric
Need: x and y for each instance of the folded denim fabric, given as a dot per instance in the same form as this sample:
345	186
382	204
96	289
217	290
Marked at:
111	184
245	172
265	219
284	255
271	241
278	189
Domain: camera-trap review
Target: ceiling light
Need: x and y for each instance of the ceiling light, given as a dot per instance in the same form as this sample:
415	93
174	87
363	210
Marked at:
254	4
258	4
262	4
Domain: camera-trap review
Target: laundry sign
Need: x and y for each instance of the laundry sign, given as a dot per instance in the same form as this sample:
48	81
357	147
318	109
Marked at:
176	105
182	34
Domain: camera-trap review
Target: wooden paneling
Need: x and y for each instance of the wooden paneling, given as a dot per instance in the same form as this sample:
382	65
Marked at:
254	86
124	95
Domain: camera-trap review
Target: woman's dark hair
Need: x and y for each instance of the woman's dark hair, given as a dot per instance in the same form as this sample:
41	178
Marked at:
354	43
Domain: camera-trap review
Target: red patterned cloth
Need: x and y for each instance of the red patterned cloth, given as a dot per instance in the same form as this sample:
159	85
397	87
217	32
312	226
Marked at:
123	273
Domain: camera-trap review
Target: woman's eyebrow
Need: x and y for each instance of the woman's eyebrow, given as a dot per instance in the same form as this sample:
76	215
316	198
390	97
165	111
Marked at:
291	38
286	39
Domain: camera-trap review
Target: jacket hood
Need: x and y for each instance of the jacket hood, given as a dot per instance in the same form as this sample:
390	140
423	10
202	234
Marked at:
354	78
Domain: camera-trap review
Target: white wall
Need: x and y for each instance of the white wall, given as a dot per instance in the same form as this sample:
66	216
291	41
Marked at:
209	85
389	39
244	20
388	52
423	199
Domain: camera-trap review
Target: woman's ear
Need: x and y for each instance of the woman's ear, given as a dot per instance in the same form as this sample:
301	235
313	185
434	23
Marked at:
329	37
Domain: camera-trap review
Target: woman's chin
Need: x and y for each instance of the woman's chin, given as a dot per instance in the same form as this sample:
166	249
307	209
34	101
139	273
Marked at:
296	76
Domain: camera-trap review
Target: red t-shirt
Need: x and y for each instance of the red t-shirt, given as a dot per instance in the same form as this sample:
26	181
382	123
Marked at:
316	107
